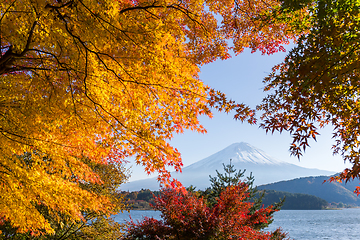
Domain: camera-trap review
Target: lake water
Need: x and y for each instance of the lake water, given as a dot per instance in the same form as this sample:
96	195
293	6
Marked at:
319	224
300	224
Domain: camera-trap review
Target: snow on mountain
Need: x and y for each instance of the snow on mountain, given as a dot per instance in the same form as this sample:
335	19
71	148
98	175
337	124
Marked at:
238	153
264	168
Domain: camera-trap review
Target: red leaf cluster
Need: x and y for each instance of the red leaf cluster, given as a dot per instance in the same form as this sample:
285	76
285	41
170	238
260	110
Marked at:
186	216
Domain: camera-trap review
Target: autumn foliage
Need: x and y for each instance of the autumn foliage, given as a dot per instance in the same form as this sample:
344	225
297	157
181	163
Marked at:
94	224
318	83
186	216
228	209
105	80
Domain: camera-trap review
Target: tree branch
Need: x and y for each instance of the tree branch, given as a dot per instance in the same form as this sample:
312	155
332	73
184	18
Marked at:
58	7
9	55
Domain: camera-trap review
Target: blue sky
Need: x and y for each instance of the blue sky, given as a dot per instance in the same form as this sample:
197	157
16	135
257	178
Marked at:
240	78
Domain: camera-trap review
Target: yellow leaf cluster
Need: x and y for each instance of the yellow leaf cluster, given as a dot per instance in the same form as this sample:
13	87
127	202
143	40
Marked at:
105	80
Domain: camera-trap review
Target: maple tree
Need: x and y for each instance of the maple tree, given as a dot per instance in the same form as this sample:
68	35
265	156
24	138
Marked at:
232	177
187	216
105	80
318	83
95	225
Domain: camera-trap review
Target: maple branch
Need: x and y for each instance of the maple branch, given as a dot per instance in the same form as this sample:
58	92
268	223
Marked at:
17	69
67	230
140	7
2	132
87	95
6	168
63	66
6	11
86	60
83	224
101	20
173	6
97	53
336	63
27	42
59	7
98	107
6	134
9	55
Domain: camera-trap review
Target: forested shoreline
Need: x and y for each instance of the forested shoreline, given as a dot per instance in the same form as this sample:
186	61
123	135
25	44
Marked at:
144	199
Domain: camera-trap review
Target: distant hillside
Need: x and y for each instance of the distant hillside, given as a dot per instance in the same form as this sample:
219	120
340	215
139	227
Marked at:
331	192
294	201
142	200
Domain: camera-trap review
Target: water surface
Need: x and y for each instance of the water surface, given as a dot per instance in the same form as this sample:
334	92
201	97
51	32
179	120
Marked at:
341	224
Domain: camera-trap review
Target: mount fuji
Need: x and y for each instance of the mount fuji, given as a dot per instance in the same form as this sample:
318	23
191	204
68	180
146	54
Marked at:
264	168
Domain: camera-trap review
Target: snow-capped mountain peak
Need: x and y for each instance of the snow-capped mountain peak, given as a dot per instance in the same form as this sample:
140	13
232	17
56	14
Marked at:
238	153
243	156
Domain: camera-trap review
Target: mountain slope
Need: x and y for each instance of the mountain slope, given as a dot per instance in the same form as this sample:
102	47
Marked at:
264	168
331	192
293	201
